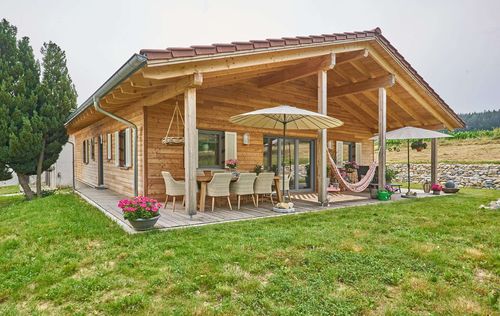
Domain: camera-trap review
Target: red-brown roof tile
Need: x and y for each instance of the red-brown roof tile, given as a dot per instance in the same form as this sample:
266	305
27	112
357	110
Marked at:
196	50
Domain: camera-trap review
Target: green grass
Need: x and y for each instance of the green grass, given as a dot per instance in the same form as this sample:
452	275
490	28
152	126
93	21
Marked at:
9	189
59	255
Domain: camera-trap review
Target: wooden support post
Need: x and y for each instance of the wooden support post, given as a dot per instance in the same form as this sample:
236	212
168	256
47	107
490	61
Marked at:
322	139
382	126
190	149
434	160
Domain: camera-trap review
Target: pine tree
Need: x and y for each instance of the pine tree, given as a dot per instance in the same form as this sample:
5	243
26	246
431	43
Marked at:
57	98
19	86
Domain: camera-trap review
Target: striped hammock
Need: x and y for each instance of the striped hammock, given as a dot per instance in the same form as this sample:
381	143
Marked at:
359	186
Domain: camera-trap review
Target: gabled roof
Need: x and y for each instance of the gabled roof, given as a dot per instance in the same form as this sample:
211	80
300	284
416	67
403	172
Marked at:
199	50
213	49
186	54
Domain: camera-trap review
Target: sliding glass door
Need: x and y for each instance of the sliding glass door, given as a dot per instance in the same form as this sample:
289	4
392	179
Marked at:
297	156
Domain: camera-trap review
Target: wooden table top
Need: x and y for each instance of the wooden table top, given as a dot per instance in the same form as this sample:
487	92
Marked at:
208	178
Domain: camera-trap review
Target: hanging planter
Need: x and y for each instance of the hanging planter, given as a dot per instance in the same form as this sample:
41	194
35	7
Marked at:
176	138
418	145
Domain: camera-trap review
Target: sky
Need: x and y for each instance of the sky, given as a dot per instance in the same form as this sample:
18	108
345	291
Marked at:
454	45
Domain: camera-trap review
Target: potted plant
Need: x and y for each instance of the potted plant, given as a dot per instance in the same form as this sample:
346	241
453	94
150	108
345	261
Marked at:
450	187
390	189
418	145
390	174
141	212
436	189
258	169
351	166
232	164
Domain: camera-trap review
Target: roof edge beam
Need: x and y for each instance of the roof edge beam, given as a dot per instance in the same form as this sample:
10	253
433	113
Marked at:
361	86
352	56
261	59
299	71
170	91
411	90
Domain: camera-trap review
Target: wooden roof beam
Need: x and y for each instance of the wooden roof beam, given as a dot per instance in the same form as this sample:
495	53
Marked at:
412	91
299	71
359	115
171	69
351	56
408	109
370	84
172	90
390	111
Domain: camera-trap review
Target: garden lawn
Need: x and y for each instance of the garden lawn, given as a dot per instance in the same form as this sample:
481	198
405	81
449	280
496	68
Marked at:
9	189
59	255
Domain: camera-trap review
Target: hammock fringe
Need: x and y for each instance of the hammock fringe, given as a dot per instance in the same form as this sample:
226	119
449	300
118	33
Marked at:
359	186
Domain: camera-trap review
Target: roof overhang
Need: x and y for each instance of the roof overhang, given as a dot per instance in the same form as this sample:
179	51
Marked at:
175	63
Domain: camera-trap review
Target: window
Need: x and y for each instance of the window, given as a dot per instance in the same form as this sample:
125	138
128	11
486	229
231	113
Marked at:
108	145
349	151
210	149
122	148
92	148
84	151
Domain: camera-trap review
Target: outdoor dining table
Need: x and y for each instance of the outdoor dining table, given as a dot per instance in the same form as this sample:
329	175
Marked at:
204	180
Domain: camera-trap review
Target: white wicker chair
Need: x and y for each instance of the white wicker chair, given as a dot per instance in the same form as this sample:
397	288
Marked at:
214	171
219	187
173	188
264	185
244	186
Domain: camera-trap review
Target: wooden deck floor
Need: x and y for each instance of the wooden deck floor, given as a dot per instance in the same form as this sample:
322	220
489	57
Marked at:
107	200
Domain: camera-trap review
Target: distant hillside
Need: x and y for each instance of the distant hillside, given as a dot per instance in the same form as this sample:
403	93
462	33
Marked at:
486	120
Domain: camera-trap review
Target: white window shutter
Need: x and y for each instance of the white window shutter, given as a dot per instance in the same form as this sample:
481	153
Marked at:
339	152
117	149
108	146
230	145
358	153
128	147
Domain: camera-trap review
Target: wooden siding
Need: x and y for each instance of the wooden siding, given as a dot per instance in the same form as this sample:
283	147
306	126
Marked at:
115	178
214	115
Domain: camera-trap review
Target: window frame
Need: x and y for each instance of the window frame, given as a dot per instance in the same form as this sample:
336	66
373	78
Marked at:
84	152
92	148
122	148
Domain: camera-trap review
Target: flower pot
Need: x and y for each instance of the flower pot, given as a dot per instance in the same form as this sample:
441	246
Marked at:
144	223
450	190
419	149
373	192
436	192
283	210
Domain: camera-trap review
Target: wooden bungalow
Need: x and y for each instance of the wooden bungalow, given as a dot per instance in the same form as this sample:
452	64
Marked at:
359	78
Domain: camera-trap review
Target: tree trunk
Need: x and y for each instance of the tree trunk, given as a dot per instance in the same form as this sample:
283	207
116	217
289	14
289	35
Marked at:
24	181
39	171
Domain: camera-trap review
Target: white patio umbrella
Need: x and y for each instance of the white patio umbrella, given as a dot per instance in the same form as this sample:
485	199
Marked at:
408	133
285	117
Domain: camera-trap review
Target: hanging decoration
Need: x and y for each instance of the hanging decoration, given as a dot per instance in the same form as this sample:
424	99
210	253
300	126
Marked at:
176	138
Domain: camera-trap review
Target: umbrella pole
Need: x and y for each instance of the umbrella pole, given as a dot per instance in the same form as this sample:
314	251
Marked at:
284	156
408	193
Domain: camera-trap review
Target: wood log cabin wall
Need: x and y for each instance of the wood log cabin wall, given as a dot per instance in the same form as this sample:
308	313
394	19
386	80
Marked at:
230	85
